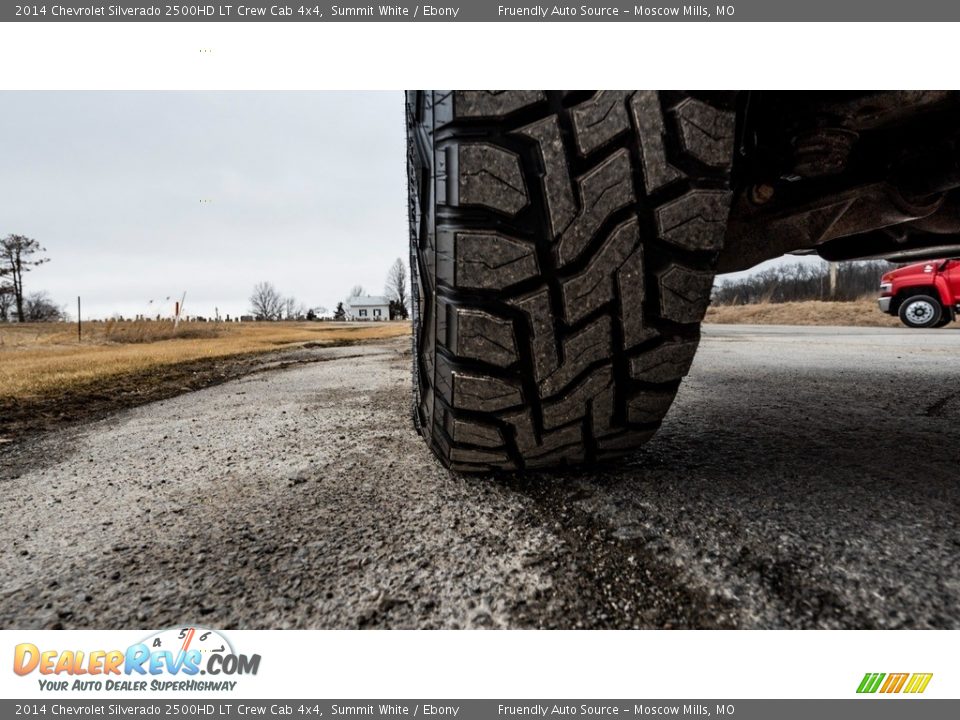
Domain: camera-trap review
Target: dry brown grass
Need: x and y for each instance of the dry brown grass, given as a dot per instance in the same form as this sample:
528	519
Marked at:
862	313
40	360
140	331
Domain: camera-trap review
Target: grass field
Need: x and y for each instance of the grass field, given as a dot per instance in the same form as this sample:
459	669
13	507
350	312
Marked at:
47	378
862	313
45	359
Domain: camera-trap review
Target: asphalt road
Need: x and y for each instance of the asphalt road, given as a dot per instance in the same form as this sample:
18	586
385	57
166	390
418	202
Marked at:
806	477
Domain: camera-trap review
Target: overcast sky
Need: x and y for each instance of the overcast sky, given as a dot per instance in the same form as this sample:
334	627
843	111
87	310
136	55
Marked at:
305	190
142	196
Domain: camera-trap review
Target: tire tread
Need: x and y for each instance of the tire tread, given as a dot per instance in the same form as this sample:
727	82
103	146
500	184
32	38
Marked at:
562	247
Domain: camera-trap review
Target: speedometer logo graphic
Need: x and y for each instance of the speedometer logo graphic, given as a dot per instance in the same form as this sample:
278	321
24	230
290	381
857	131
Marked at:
180	640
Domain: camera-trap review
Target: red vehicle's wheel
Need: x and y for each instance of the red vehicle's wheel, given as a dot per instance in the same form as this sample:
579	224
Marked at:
921	311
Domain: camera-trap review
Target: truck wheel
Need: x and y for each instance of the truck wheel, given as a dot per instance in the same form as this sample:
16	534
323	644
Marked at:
921	311
562	254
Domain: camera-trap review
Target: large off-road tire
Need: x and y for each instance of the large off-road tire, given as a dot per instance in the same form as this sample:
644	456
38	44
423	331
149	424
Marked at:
562	253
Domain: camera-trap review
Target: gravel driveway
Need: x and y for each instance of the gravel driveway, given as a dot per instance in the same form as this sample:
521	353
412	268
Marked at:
806	477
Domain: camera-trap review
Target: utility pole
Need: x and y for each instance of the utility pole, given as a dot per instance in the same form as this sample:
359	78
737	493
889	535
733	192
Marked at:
179	309
79	326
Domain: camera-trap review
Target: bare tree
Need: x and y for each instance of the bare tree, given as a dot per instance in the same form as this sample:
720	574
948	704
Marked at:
38	307
266	303
6	302
356	291
291	311
396	288
16	258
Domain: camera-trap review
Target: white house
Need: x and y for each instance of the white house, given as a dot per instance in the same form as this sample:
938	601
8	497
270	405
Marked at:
367	307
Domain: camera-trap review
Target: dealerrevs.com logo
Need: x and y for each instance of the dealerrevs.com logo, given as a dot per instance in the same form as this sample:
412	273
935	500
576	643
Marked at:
170	660
911	683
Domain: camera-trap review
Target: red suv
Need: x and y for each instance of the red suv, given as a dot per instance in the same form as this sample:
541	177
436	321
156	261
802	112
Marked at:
924	295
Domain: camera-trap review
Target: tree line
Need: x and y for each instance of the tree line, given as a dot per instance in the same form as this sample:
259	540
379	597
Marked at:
267	303
20	254
798	282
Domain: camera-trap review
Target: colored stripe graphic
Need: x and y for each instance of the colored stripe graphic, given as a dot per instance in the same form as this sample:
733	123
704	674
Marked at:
918	682
894	683
870	683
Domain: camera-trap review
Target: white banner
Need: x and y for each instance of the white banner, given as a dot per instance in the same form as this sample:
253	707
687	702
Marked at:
457	664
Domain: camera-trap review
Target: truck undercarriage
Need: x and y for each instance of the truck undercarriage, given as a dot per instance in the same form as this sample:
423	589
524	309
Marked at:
846	175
